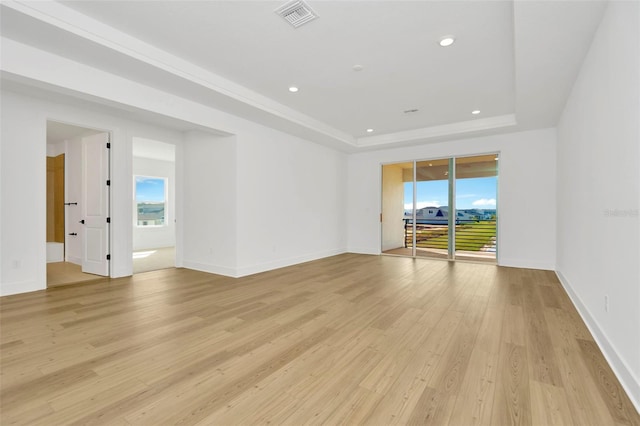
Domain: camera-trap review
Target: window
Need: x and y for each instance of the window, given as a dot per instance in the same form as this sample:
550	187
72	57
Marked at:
151	200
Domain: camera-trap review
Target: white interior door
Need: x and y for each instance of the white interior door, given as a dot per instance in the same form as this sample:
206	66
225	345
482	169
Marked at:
95	204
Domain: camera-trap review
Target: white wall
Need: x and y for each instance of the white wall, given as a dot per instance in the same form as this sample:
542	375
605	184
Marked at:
392	207
289	194
266	175
291	200
526	193
260	200
209	197
23	184
156	236
23	187
598	191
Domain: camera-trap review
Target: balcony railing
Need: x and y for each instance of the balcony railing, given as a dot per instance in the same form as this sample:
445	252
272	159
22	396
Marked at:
471	235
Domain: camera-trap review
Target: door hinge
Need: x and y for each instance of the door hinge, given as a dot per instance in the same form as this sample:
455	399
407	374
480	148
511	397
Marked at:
108	145
108	257
109	182
108	220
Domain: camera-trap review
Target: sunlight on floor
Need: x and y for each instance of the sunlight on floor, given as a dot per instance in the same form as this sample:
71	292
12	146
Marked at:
142	254
152	259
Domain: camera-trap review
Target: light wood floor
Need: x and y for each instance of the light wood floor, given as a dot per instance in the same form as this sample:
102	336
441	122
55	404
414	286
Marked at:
63	273
350	339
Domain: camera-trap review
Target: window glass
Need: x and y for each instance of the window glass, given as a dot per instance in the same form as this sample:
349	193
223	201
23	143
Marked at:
151	200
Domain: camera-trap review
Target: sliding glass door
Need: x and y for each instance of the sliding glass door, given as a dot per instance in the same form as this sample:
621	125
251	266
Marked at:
441	208
476	207
397	207
432	214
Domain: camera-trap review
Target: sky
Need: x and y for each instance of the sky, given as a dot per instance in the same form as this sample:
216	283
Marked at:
149	189
472	193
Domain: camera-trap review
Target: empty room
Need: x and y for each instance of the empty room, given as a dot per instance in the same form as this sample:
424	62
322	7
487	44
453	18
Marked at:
320	212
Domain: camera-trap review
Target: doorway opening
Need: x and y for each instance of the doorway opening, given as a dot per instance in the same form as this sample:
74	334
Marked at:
78	233
154	212
441	208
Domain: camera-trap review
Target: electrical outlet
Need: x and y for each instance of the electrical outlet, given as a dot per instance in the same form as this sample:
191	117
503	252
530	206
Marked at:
606	303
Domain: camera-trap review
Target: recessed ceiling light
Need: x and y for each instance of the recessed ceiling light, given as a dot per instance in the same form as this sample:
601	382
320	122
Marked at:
369	130
446	41
475	112
358	67
293	89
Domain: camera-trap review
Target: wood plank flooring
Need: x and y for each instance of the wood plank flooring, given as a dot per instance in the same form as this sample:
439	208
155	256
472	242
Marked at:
350	339
63	273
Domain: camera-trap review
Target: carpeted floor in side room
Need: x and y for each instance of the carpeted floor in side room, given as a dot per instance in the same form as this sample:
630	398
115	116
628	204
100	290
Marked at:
153	259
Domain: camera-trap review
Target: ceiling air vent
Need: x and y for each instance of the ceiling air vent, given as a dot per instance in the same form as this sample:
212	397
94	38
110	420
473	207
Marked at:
296	13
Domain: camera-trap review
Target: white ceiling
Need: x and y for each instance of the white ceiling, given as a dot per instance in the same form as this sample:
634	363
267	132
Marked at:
514	61
395	42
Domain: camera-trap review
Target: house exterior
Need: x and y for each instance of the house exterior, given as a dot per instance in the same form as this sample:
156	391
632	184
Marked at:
440	215
151	214
436	214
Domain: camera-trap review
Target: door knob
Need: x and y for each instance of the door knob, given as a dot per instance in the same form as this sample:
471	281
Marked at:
82	221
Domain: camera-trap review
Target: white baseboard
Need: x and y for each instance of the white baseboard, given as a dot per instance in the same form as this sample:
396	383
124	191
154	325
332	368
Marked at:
7	289
210	268
74	260
524	263
629	382
257	268
282	263
363	250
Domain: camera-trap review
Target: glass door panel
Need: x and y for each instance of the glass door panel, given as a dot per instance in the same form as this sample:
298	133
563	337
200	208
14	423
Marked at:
476	180
397	209
432	211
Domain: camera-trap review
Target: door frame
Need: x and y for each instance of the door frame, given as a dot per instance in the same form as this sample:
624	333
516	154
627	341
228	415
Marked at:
174	199
110	191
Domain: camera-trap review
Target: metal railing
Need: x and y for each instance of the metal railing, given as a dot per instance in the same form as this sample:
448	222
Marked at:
471	235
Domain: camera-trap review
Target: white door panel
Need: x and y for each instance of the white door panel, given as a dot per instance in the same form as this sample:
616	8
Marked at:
95	204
